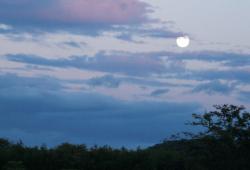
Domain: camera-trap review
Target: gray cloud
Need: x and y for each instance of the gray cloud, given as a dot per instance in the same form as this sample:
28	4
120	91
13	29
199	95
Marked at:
128	32
238	75
146	64
120	63
56	115
31	12
229	59
159	92
214	87
108	81
42	83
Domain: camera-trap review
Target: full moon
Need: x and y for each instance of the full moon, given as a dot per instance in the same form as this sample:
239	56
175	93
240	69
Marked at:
183	42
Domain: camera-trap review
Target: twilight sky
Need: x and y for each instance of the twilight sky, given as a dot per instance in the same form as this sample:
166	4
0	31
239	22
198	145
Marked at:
109	71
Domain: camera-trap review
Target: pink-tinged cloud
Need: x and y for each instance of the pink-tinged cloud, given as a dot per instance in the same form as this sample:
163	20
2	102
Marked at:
112	11
97	11
74	11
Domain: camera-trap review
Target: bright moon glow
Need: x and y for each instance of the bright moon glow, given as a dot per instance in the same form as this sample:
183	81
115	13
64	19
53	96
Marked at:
183	42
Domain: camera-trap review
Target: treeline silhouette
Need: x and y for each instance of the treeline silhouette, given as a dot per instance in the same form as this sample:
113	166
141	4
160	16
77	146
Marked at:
224	144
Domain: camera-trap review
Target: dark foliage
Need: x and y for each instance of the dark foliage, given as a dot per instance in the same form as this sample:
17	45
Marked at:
223	145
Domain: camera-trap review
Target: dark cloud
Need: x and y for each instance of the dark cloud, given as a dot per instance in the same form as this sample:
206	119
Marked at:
146	64
108	81
127	33
74	44
112	81
214	87
120	63
56	115
238	75
46	12
228	59
77	17
14	81
159	92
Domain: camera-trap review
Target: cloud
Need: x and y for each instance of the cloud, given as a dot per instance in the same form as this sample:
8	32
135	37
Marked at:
108	81
229	59
128	33
214	86
233	66
163	64
209	65
74	44
73	12
5	27
56	115
168	65
9	81
159	92
238	75
115	63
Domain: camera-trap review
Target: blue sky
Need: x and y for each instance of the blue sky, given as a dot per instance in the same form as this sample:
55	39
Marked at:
109	71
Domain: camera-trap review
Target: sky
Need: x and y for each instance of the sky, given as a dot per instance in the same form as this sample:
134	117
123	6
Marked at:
110	72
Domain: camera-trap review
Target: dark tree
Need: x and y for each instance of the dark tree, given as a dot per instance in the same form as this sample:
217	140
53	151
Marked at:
227	122
225	141
14	165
